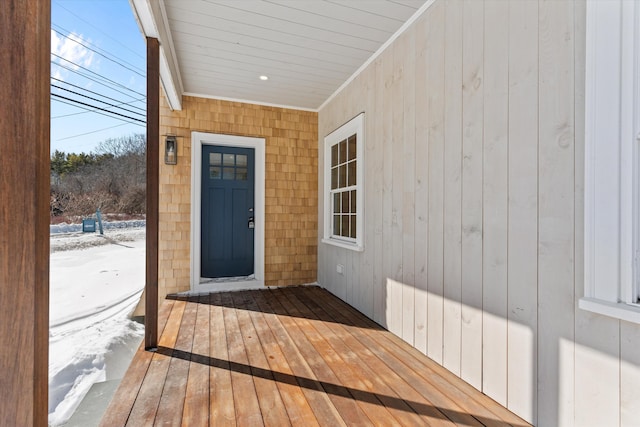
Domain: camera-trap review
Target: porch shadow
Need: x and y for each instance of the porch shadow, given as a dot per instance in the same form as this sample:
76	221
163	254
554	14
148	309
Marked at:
393	402
246	300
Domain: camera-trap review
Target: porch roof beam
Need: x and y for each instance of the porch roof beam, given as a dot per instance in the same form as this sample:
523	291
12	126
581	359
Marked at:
145	12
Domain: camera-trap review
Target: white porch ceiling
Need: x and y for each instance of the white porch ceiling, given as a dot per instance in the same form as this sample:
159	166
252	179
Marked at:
307	48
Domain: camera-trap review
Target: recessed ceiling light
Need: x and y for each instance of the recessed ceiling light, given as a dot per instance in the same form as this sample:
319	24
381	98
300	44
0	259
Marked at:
264	78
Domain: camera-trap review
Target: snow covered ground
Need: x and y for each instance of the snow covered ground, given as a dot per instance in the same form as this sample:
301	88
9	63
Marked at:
96	282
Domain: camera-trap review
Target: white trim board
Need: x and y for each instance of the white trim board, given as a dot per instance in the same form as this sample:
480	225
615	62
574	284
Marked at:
248	101
198	139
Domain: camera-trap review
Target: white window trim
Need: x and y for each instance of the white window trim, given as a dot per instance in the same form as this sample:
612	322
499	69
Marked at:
611	235
353	126
198	139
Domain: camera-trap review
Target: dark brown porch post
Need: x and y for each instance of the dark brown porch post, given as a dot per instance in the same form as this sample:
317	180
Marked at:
25	33
153	159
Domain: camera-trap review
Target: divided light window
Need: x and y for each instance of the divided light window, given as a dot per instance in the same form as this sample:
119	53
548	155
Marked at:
343	185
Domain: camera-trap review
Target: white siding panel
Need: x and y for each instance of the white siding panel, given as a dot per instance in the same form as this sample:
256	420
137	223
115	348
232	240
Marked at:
522	230
397	183
629	374
452	321
408	191
495	194
472	120
365	283
391	288
421	187
556	197
376	162
435	123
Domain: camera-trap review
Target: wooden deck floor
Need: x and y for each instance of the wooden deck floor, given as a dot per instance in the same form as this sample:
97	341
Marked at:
294	356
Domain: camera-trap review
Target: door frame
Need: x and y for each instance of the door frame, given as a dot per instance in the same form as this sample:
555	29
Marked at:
198	139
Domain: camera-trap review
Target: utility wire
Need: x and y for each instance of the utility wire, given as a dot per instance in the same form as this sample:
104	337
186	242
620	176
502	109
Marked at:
96	99
94	111
97	74
98	29
99	53
97	108
89	133
101	50
90	111
95	80
99	94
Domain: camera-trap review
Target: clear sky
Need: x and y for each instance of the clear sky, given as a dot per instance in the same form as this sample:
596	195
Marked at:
97	52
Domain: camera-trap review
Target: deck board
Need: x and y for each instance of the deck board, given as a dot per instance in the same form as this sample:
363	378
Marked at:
289	356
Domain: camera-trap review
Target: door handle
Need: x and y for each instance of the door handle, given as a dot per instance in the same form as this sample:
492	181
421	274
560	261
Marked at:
251	223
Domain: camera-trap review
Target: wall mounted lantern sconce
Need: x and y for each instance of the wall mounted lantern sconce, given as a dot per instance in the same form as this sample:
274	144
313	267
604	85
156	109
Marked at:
170	150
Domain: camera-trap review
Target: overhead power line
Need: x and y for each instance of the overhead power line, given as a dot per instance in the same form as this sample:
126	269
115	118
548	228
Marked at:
98	29
97	74
55	95
89	111
99	94
89	133
117	61
98	100
96	80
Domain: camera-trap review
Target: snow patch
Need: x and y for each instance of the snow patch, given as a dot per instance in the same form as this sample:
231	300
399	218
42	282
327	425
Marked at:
93	290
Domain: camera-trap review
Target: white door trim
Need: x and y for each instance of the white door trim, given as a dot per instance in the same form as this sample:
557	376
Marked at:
198	139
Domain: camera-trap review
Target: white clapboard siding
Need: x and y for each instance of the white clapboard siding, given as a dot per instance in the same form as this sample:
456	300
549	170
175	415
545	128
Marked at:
435	123
452	249
555	215
495	200
522	264
472	141
473	209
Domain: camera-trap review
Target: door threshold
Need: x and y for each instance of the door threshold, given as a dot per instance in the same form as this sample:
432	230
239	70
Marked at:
222	284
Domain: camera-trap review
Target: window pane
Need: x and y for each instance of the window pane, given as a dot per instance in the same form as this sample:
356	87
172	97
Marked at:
345	226
352	173
342	176
352	147
241	160
241	174
343	151
334	155
336	203
229	159
353	226
336	225
353	201
345	202
215	159
214	172
228	173
334	178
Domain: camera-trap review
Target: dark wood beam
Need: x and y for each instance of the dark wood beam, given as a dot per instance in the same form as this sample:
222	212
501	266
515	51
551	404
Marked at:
25	33
153	179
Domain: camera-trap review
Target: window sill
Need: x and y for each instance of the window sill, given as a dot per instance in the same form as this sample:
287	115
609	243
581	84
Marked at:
346	245
617	310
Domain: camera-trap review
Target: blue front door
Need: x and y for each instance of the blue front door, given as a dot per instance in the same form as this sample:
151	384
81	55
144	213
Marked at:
227	211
